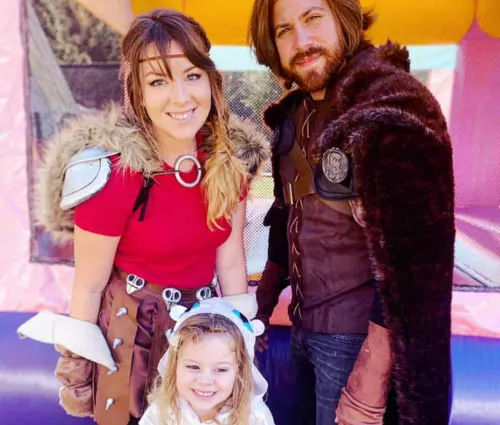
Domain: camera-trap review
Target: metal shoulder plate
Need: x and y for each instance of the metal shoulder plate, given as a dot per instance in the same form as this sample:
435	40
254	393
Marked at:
333	177
86	173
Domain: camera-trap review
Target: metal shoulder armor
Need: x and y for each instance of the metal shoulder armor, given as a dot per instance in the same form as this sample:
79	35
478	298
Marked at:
86	173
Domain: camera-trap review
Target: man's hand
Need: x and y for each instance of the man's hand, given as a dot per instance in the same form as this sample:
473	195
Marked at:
261	343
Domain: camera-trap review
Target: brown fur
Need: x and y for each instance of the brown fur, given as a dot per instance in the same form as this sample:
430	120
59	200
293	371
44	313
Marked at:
397	136
109	130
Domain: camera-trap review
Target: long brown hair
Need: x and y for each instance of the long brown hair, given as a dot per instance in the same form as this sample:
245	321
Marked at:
224	173
194	329
348	14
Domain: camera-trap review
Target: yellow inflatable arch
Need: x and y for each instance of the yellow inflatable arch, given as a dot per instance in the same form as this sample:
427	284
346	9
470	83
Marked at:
404	21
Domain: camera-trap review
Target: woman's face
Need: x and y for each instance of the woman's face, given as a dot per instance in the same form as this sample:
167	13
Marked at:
177	106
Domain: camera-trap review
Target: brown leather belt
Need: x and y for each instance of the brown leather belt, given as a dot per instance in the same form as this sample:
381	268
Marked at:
158	289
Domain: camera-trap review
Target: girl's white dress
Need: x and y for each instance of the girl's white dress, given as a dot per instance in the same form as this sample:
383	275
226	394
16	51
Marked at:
260	415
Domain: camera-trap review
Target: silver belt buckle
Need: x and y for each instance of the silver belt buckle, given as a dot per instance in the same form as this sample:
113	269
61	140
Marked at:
171	296
204	293
134	283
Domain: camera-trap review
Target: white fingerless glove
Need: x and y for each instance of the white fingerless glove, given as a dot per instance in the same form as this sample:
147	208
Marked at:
78	336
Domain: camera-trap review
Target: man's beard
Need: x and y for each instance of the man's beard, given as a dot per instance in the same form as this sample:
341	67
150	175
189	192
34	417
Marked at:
315	80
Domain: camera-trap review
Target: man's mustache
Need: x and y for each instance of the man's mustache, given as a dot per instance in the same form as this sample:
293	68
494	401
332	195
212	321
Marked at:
301	55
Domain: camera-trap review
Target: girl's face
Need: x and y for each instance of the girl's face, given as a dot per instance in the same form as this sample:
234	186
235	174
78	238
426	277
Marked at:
177	106
206	372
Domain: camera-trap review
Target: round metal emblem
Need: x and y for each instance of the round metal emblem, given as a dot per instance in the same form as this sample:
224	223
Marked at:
177	167
335	165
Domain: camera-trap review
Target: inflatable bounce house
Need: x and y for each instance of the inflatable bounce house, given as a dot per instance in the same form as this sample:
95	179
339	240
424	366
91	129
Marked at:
61	56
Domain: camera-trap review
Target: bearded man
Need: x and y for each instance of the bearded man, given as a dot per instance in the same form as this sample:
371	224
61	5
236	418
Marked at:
362	226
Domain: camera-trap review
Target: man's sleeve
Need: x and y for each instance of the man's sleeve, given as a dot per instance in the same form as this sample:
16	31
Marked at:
275	275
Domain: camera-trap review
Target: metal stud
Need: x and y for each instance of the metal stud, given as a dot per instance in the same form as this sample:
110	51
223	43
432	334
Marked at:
122	311
117	342
109	402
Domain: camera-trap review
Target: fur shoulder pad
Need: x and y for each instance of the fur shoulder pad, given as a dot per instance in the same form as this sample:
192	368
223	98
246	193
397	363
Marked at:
106	130
250	145
109	131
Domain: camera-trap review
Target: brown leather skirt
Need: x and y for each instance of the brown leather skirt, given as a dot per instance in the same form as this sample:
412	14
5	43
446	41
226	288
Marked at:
134	326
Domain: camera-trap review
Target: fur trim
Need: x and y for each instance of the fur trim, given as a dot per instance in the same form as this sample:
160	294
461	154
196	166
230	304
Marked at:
109	130
250	145
397	135
395	54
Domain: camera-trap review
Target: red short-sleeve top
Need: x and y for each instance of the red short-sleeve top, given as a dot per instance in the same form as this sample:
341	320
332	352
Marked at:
173	245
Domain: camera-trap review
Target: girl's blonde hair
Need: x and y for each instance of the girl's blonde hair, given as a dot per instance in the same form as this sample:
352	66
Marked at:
224	173
194	329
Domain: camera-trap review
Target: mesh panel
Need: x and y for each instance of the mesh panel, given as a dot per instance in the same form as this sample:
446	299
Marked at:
248	93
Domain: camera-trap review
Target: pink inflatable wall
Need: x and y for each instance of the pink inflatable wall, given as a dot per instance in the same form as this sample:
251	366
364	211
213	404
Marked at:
475	129
474	122
24	286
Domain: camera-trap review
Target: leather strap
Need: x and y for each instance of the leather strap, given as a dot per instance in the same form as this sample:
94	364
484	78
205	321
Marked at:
113	392
302	185
114	402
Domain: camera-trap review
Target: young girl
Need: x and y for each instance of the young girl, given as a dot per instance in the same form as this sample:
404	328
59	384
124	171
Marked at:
208	374
155	200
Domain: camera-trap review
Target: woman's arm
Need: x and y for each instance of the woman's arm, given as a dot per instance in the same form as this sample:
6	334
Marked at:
230	261
94	256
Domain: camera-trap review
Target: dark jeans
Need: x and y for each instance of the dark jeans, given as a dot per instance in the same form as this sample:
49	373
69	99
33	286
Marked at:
322	363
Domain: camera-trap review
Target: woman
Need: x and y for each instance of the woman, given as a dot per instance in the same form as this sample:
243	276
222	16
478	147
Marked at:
156	198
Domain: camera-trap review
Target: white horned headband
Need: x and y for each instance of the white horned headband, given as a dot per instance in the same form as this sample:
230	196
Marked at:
249	329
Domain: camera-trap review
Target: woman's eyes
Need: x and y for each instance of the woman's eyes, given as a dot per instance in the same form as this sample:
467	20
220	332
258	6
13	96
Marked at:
157	82
193	76
192	367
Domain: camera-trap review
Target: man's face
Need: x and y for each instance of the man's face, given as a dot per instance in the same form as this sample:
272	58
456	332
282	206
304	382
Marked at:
307	38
